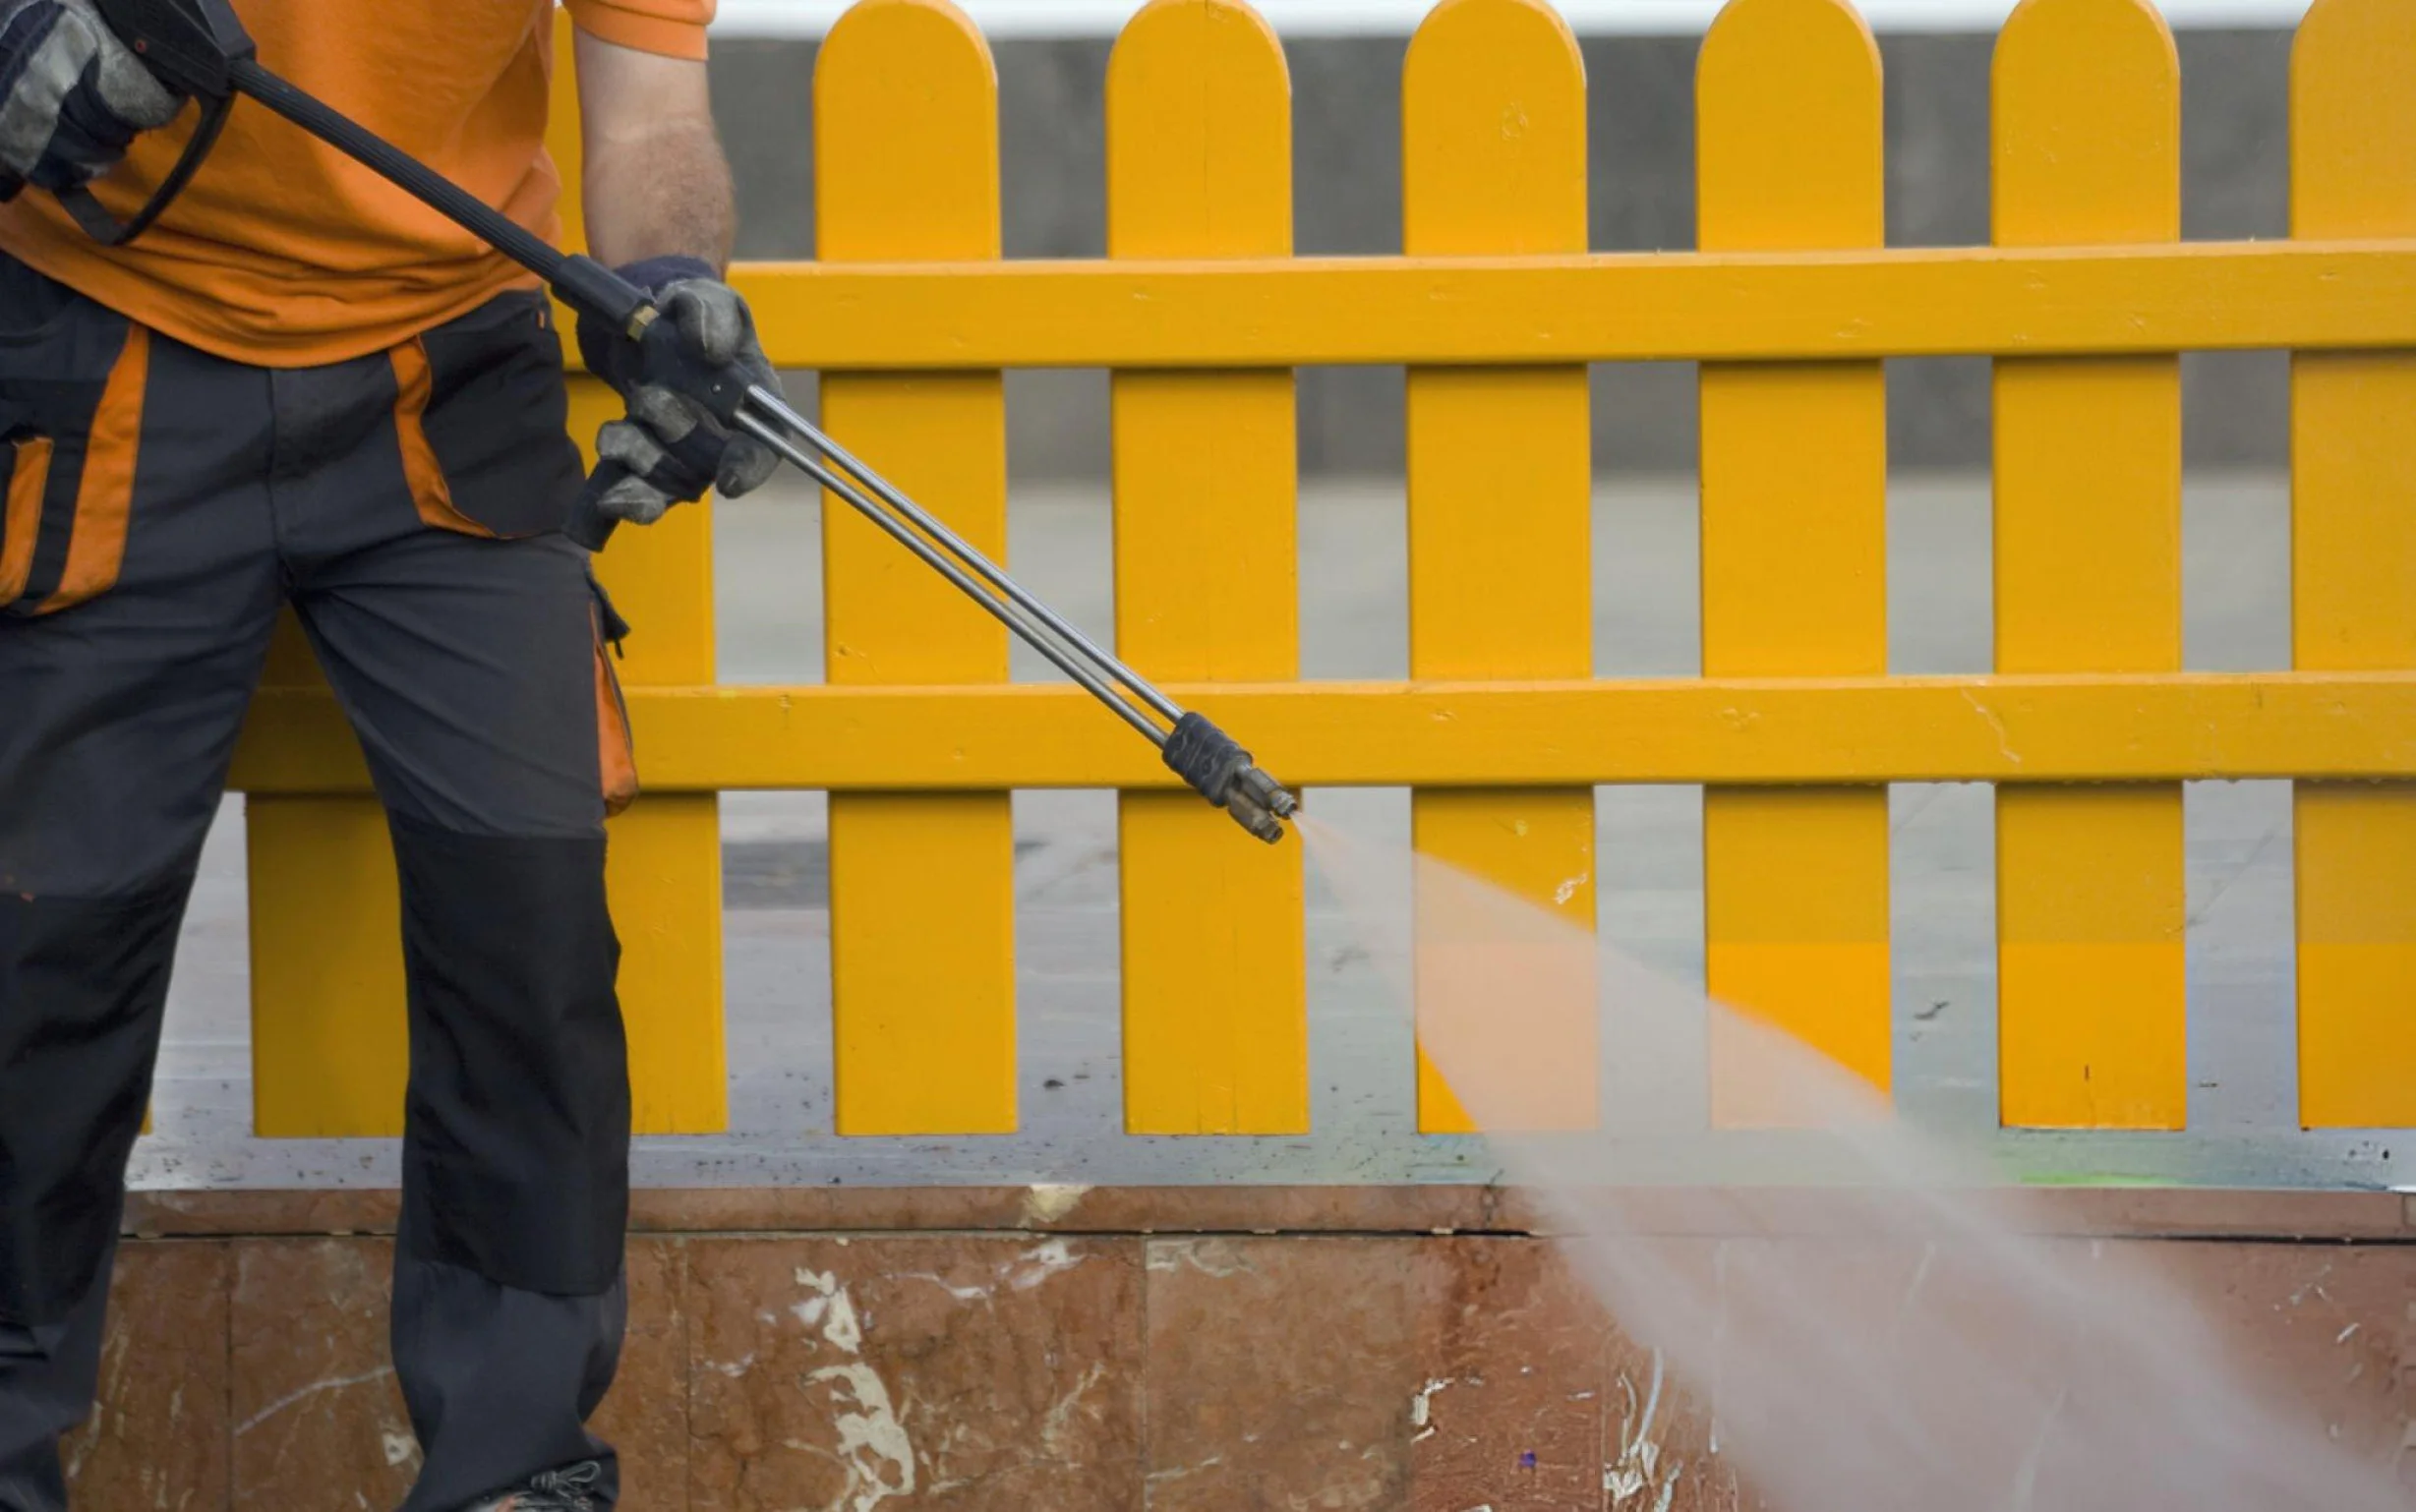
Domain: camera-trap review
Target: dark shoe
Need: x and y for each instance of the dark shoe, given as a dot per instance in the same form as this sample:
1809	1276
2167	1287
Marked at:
557	1490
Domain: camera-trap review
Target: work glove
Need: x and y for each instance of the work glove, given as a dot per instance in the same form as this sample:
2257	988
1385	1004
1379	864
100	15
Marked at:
672	447
72	96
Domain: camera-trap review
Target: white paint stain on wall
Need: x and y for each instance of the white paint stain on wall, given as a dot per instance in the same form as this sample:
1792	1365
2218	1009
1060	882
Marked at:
1049	1201
1639	1471
831	1308
1060	1420
873	1445
960	1293
872	1442
1041	1261
1212	1257
1422	1410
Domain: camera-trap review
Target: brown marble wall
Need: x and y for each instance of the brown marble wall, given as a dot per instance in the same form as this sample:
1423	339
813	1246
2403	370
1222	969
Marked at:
983	1372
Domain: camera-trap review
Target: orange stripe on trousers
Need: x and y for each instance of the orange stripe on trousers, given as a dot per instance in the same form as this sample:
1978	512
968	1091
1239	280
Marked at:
430	495
29	477
104	499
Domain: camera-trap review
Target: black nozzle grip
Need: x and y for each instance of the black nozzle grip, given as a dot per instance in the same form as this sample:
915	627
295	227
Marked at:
589	527
1206	757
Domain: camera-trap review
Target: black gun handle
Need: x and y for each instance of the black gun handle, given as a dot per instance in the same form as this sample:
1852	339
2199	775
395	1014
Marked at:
107	229
589	527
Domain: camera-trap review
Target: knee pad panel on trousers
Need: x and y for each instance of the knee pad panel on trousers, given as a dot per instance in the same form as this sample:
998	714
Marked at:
516	1159
82	983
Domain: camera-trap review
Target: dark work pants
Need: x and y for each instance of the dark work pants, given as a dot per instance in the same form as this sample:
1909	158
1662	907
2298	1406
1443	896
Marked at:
161	506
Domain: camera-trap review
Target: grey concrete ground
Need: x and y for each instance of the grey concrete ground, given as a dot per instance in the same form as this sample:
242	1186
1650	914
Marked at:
2241	1042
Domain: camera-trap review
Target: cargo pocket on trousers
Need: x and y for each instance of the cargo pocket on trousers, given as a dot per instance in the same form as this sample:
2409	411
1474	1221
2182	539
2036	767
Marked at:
615	752
483	418
71	496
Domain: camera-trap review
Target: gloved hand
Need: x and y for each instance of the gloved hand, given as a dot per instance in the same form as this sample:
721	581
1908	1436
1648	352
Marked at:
674	448
72	96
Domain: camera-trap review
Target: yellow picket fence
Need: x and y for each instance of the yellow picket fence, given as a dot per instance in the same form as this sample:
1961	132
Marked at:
2090	726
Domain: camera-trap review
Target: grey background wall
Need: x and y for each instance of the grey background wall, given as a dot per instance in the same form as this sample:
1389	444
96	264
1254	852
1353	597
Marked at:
1347	195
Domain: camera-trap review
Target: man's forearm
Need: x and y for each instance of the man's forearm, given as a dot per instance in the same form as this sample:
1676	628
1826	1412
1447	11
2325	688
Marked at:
666	197
656	181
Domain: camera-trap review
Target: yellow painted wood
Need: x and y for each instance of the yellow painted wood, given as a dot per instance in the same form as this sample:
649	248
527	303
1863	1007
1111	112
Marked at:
2353	561
1792	731
1215	985
1500	557
1907	302
1794	537
328	1021
922	888
2092	900
330	1044
1791	302
664	866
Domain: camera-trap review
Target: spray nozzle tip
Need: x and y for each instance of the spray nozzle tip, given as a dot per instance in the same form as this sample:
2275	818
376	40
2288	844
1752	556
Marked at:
1257	821
1269	793
1260	804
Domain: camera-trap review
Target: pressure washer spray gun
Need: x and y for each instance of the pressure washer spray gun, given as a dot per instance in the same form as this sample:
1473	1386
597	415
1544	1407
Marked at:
200	48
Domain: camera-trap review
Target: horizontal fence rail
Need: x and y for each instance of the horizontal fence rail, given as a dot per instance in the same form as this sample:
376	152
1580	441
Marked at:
1833	305
2084	298
2013	730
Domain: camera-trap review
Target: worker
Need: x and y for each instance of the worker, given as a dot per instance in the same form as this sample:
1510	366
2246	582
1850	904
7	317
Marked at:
304	389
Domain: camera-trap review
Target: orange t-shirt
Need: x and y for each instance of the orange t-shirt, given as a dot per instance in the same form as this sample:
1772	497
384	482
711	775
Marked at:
284	253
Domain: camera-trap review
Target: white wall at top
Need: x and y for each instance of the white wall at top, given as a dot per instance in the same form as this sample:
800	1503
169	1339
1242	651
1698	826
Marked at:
1346	17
